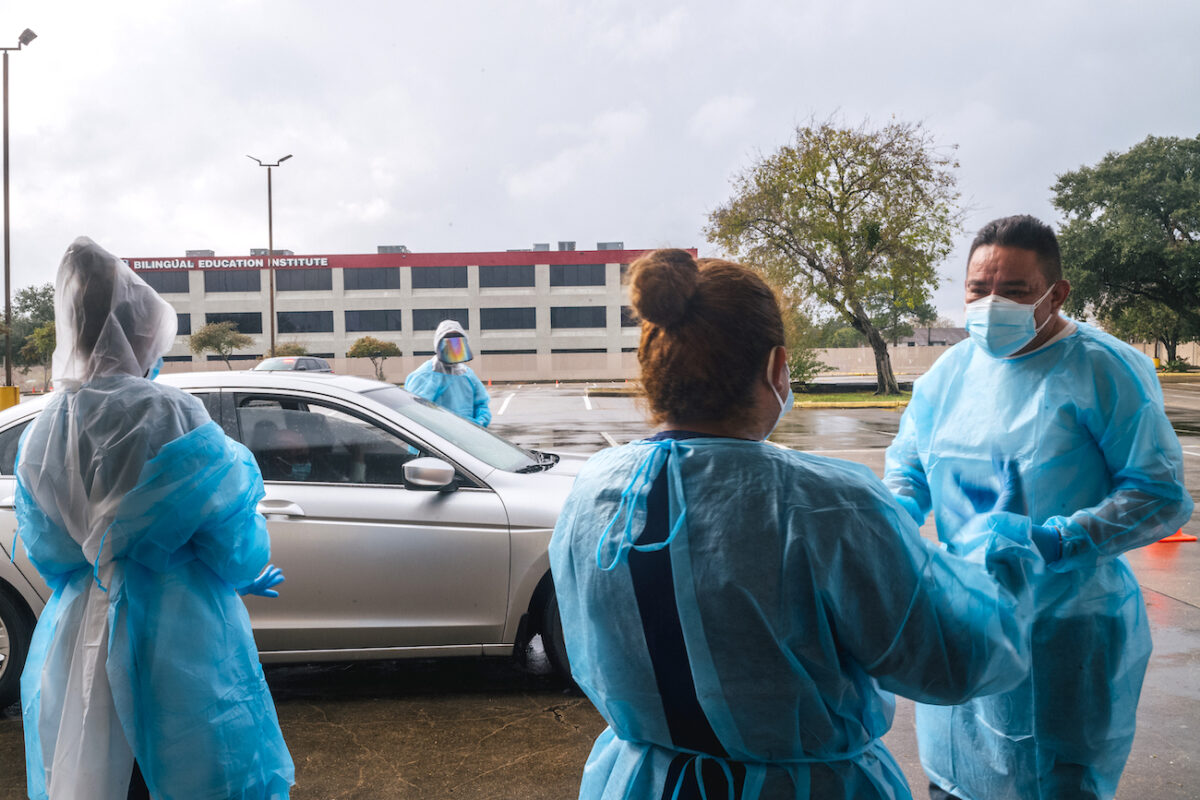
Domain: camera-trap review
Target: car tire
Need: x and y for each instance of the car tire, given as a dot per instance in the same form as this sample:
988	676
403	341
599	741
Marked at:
16	629
552	638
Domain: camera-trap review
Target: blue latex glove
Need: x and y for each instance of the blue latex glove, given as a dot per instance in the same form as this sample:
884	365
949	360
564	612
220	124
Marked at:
1012	494
261	586
1048	541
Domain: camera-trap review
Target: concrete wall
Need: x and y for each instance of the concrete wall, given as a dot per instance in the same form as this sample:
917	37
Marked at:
1189	352
905	360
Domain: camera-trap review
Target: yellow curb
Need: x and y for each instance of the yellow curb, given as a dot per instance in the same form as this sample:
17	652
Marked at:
856	404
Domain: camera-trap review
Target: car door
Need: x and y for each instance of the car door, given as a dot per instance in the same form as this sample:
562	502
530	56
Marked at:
369	563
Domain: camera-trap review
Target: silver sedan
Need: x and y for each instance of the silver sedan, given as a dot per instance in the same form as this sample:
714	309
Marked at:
403	530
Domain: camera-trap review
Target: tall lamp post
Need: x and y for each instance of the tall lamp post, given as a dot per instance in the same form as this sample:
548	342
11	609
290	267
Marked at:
270	244
25	38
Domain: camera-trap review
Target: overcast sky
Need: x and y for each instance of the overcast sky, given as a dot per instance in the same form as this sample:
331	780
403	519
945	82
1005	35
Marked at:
461	126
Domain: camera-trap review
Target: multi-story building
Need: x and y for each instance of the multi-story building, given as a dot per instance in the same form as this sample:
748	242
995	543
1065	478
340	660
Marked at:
536	314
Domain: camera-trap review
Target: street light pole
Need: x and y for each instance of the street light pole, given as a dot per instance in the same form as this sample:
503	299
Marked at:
25	38
270	246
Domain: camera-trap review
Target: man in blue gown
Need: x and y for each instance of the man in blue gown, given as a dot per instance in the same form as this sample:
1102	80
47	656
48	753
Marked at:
1080	415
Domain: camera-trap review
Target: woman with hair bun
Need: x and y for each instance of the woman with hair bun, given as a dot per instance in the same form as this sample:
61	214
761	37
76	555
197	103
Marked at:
740	613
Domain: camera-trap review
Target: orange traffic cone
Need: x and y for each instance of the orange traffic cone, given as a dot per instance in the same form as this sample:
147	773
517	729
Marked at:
1179	536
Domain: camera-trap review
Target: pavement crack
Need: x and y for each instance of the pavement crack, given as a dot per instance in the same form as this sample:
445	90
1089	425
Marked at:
505	765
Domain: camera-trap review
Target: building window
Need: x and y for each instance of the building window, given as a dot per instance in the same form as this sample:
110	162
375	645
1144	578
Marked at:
387	319
371	278
508	275
508	352
305	321
576	274
232	280
439	277
303	280
168	281
507	318
175	359
427	319
183	325
577	317
579	350
629	318
246	323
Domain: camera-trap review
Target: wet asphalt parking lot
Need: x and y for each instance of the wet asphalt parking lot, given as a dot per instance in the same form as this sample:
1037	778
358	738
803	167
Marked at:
488	728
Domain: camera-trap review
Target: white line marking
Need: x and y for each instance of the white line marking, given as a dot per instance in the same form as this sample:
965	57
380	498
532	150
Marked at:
611	441
504	405
1191	452
587	402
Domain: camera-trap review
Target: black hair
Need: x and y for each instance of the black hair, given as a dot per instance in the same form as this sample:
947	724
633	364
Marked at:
1026	233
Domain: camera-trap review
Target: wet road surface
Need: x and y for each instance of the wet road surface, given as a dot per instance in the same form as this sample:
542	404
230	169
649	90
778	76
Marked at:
489	728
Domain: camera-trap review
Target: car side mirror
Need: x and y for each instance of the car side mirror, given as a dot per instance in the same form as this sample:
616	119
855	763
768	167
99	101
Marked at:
429	475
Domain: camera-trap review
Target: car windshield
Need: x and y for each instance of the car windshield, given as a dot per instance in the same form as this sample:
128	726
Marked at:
479	442
277	363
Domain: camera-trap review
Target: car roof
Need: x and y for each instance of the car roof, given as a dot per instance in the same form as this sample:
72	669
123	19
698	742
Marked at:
262	379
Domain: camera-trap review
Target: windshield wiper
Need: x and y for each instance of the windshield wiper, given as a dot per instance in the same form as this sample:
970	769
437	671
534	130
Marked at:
544	461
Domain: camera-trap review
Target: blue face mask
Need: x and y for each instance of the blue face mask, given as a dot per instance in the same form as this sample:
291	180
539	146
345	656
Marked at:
301	472
153	373
786	403
1001	326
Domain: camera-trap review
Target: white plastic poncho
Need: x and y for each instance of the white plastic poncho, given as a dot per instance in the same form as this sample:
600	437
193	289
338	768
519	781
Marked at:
1083	421
141	516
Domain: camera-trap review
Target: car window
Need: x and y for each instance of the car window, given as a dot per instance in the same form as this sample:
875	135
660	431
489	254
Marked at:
302	441
9	439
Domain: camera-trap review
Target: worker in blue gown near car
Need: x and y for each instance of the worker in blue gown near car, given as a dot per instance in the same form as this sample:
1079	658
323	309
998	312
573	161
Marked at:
740	613
140	514
1080	416
446	379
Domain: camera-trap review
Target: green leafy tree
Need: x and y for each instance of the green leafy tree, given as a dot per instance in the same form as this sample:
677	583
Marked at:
290	349
32	308
221	338
39	349
1147	321
375	349
1132	230
854	217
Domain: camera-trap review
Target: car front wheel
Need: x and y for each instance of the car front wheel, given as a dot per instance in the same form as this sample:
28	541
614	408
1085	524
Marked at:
552	637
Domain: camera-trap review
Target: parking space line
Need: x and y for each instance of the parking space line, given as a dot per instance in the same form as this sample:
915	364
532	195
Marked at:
504	405
611	441
587	402
1191	452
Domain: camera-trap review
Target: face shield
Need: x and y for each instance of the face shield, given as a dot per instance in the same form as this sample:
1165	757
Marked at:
108	321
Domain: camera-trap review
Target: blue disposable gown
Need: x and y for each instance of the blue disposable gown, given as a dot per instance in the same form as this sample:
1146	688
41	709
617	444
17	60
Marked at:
764	641
1083	419
463	393
160	662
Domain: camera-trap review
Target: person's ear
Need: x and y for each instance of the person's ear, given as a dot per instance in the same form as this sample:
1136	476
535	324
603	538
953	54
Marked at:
1058	295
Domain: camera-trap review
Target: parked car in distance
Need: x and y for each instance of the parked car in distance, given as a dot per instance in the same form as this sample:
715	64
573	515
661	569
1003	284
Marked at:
409	531
293	363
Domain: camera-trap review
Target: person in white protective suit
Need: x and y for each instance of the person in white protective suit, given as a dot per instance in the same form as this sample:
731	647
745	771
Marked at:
140	514
446	379
1079	416
740	613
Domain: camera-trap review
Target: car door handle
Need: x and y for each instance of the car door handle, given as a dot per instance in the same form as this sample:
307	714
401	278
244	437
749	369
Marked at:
8	502
280	508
